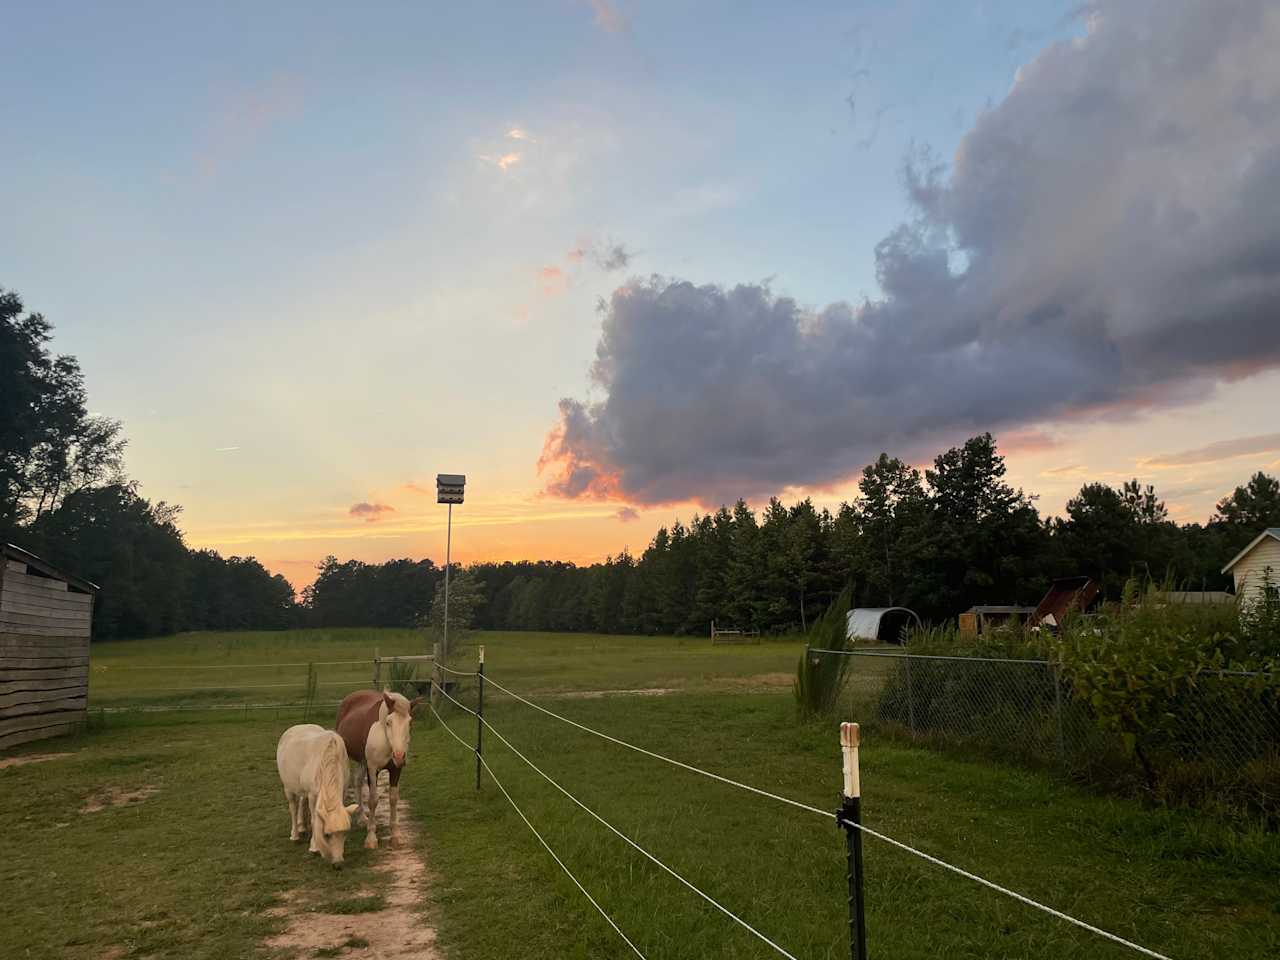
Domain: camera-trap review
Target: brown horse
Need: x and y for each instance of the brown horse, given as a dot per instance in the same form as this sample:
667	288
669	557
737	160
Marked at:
374	725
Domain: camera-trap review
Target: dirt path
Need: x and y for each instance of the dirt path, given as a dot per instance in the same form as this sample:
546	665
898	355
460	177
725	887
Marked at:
397	930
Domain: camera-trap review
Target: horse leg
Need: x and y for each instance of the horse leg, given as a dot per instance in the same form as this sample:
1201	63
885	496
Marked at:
371	838
293	815
304	813
393	794
316	829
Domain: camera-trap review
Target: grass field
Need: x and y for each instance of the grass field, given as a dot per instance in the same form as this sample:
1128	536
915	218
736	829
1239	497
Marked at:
224	669
192	870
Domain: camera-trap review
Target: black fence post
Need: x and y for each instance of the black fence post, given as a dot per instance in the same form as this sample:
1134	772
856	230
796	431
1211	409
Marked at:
479	714
849	816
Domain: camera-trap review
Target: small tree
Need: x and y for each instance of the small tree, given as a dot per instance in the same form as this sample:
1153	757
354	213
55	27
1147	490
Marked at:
466	595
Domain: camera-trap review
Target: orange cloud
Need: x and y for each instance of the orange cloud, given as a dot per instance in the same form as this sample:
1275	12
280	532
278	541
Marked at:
516	133
574	474
504	162
608	17
1029	440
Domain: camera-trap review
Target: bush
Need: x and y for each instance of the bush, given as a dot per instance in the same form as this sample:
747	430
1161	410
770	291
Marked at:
1189	692
820	678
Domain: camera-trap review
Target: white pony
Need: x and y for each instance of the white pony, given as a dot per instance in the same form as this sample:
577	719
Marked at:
313	771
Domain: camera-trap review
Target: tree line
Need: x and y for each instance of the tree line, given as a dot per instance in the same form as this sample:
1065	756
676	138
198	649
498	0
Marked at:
937	541
65	496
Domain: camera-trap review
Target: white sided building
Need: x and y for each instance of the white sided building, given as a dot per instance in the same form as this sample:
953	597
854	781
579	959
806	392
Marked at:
1257	565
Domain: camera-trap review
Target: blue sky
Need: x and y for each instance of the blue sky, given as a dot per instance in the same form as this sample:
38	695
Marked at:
293	254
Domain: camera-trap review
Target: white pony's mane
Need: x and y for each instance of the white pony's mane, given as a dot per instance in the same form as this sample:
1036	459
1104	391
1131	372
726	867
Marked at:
333	764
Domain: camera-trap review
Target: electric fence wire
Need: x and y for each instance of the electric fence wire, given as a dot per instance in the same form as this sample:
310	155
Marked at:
569	873
826	813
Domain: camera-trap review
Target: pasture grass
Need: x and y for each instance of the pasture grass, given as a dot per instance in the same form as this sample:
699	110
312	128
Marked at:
189	871
270	667
194	869
1180	884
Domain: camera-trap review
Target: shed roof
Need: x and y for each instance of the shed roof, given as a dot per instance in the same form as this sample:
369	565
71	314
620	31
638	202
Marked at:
1273	532
864	622
15	552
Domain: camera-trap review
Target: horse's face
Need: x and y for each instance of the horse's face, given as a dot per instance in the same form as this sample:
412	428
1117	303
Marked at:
334	827
398	726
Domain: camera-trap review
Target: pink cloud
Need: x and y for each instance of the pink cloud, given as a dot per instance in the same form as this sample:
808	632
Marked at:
370	512
553	280
244	117
607	16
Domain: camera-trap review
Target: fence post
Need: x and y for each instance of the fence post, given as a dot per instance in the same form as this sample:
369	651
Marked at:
911	698
1057	711
479	714
436	676
849	816
377	668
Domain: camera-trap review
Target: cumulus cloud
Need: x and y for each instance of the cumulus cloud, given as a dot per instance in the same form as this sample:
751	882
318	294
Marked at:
369	512
1106	239
1222	450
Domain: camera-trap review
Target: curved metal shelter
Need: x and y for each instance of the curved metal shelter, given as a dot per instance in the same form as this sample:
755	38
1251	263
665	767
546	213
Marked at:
879	624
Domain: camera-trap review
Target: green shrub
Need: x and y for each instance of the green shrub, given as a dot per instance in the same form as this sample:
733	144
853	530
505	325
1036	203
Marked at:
1188	691
820	678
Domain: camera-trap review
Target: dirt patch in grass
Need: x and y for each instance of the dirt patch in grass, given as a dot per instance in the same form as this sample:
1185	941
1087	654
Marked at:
33	758
760	681
600	694
116	797
380	921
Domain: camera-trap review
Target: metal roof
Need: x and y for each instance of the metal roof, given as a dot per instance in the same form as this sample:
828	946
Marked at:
1273	532
48	569
863	623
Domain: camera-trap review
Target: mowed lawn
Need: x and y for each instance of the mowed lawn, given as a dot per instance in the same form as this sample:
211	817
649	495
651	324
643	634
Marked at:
191	870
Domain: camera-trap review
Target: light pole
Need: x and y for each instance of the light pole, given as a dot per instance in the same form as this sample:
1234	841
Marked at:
449	487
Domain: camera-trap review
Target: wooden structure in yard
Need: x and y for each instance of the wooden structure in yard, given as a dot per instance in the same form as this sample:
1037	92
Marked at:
980	619
721	635
45	624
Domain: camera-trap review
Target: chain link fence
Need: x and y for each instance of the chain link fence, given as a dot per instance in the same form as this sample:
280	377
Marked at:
1219	743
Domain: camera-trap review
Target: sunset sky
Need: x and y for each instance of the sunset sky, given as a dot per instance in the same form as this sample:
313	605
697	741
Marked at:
621	261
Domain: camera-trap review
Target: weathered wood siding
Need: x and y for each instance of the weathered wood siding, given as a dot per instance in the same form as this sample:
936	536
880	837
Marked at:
1249	570
44	655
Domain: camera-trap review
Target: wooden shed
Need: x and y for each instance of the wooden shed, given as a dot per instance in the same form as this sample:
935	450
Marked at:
45	624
